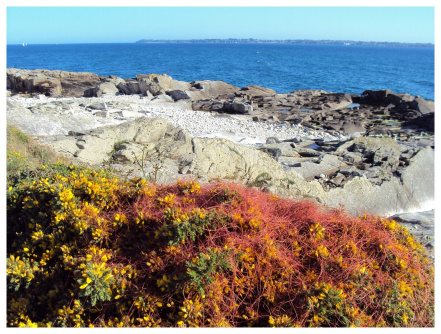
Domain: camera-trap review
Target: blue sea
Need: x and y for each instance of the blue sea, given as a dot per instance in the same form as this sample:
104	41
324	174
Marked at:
282	67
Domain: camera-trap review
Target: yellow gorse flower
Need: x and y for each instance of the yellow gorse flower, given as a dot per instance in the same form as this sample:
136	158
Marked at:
318	231
66	195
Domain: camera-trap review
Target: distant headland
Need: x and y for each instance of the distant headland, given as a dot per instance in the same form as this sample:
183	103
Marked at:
286	41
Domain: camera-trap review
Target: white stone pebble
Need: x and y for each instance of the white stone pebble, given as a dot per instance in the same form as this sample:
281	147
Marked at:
197	123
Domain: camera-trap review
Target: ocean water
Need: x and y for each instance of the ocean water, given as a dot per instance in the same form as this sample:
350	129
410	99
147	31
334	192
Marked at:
282	67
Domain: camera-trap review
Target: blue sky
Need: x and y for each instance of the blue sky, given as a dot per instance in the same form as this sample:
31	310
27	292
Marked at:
47	25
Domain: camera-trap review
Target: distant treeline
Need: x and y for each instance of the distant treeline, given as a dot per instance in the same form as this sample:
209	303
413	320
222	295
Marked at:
286	41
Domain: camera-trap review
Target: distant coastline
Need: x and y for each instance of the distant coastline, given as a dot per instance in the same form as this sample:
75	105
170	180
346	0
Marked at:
287	41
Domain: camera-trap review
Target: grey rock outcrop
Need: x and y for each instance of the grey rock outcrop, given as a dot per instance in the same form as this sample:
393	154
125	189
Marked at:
412	190
203	157
50	83
219	158
418	179
383	152
99	143
409	188
28	81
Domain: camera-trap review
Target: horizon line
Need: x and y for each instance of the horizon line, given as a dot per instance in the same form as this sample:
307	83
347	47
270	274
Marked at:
228	39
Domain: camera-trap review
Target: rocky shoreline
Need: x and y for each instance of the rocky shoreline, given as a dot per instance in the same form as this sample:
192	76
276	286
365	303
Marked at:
370	153
373	112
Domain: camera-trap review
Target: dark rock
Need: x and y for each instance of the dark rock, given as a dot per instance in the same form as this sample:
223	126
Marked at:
286	149
293	140
76	134
274	152
348	171
386	98
272	140
208	105
309	125
336	101
352	157
370	173
386	157
237	106
407	154
363	166
128	86
295	119
379	131
420	218
177	95
123	88
396	99
272	119
90	92
181	136
81	144
133	86
326	148
327	165
333	125
321	142
374	97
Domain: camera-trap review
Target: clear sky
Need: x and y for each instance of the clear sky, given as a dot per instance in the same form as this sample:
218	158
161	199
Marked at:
41	25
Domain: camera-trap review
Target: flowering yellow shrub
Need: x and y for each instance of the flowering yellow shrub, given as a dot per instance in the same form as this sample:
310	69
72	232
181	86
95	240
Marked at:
88	250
